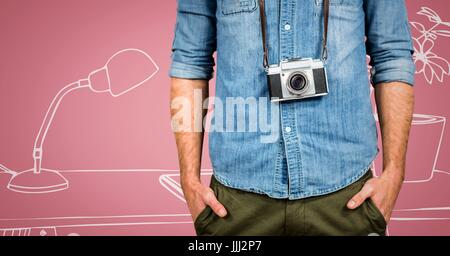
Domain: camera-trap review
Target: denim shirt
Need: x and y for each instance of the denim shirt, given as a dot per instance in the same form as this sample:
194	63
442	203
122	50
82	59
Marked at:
323	144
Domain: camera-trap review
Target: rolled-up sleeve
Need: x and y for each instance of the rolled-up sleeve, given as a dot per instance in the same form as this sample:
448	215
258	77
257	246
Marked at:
195	40
389	42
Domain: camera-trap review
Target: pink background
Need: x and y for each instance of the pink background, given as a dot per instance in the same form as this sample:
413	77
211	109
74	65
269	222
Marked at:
117	153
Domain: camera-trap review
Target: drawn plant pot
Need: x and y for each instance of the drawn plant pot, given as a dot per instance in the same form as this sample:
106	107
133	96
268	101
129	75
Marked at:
423	150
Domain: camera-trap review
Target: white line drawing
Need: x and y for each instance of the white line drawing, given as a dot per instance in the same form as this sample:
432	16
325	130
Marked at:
424	209
428	63
401	214
174	187
39	180
103	217
428	119
48	225
27	232
171	182
418	219
44	231
439	212
7	170
17	232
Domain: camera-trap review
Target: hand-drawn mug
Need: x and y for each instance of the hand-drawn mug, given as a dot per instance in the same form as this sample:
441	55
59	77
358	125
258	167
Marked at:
423	149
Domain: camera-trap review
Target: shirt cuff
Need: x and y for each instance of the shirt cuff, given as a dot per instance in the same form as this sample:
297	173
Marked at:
187	71
399	70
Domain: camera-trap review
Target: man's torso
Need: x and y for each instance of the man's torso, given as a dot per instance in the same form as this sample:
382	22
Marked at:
322	144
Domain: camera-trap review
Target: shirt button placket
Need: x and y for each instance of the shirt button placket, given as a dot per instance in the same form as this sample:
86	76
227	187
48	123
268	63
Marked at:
288	109
286	29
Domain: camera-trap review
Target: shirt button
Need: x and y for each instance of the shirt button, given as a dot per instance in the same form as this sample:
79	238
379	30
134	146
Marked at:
288	129
287	27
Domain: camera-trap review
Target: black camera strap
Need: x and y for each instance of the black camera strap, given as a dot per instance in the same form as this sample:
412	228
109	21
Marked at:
326	14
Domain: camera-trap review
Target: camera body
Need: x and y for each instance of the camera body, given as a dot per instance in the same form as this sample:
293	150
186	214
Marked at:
297	79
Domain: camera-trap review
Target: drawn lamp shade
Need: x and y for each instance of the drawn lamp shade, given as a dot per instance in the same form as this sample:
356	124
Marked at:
110	79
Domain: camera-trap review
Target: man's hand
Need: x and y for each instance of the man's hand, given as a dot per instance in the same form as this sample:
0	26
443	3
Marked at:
382	190
198	197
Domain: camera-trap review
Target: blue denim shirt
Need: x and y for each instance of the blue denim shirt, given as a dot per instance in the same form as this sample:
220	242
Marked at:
324	143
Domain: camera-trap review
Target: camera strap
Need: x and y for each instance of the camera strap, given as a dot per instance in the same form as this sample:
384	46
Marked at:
326	14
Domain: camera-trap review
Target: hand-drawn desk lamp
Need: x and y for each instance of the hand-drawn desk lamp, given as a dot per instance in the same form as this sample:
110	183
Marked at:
111	79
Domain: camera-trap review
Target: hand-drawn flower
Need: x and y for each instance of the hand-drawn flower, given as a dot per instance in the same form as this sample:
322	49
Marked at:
423	32
432	16
418	26
428	63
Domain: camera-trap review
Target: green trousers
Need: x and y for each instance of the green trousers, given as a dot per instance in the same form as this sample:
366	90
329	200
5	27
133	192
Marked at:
251	214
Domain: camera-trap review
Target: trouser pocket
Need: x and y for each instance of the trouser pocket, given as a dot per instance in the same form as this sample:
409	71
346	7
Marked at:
207	215
248	214
329	215
376	217
201	219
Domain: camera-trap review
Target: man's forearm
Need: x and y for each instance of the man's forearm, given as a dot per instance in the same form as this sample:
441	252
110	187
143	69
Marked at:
189	140
395	103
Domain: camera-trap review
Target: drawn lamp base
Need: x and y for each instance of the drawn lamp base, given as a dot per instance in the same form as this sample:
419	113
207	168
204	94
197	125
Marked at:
43	182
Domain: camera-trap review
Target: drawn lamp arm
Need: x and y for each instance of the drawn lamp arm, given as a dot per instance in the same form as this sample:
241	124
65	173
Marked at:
37	152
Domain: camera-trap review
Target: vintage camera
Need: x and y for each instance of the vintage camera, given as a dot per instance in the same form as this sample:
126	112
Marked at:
297	79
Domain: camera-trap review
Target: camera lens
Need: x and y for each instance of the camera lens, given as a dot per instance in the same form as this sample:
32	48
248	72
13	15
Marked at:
297	82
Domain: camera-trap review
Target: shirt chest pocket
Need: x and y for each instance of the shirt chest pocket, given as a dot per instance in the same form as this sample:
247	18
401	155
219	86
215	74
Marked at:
231	7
